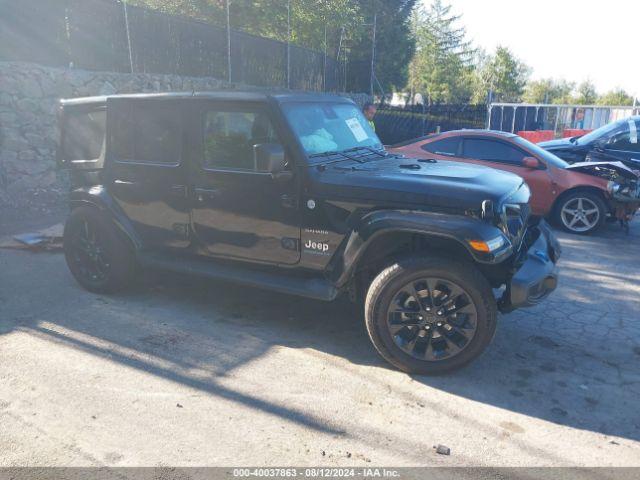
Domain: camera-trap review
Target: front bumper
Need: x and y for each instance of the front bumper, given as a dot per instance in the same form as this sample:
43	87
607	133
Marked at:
537	275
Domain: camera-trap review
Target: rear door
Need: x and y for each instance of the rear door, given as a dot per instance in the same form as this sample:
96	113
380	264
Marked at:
238	211
498	154
145	171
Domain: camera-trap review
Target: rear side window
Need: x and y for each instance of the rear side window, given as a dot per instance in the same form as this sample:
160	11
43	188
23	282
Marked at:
149	133
83	137
492	150
447	146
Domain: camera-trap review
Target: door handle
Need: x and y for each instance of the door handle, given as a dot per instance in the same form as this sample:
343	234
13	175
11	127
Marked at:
125	182
203	194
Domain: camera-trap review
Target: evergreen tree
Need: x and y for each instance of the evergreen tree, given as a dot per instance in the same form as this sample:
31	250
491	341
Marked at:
394	45
443	63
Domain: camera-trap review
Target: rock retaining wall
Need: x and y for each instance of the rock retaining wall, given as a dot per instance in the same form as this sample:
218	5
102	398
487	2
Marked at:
29	94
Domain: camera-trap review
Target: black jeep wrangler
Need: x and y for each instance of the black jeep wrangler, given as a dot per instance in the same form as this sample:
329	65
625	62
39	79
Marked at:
294	193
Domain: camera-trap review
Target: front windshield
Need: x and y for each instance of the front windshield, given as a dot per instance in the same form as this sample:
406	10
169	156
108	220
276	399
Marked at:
330	127
548	157
599	133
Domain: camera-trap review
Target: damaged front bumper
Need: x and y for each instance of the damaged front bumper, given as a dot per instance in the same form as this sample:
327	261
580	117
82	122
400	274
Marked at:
623	186
536	275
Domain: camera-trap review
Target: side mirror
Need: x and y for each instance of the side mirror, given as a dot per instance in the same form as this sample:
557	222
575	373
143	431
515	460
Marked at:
531	162
269	158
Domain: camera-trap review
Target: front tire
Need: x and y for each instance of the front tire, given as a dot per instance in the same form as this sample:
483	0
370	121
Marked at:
580	212
98	257
430	315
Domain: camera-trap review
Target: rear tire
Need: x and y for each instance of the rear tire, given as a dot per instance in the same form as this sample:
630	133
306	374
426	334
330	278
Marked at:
451	323
580	212
97	255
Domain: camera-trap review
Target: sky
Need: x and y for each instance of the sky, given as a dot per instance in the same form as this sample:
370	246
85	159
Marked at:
571	39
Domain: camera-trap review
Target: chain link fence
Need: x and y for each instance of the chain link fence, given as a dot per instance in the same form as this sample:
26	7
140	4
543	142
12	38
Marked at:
108	35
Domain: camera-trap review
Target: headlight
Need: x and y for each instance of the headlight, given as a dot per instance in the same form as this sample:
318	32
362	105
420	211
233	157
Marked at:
488	246
613	187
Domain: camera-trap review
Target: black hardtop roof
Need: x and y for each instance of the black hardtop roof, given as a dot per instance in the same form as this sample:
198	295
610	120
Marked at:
230	95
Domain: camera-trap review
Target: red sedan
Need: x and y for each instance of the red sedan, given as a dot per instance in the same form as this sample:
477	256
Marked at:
578	201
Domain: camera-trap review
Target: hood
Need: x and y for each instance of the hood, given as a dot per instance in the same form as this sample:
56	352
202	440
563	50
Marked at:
604	169
444	184
560	144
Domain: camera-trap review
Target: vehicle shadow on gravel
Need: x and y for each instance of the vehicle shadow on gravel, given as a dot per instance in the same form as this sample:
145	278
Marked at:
571	361
541	364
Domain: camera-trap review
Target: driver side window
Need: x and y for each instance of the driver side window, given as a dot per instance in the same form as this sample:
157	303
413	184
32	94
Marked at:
626	140
229	138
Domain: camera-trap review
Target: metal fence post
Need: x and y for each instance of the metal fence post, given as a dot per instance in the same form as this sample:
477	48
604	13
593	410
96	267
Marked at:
126	24
373	52
324	64
228	41
288	43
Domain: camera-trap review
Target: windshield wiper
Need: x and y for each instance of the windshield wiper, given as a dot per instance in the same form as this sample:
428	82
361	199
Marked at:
336	152
324	154
345	153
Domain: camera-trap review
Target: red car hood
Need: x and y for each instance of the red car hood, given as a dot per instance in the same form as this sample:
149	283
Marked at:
604	169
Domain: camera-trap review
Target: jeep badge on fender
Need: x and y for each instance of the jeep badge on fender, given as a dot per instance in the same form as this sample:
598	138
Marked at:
316	246
300	197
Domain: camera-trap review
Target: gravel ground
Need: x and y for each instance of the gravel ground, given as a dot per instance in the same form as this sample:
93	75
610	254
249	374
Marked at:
188	372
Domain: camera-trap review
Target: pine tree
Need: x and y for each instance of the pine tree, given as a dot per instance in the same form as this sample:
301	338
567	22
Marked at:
394	45
443	63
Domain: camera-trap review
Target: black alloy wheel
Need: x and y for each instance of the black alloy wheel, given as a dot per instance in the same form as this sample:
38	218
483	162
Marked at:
87	253
430	313
432	319
97	254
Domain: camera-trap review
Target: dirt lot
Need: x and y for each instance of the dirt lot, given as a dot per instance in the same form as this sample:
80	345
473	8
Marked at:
190	372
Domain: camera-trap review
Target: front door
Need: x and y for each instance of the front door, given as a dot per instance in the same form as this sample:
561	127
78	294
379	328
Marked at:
238	211
623	146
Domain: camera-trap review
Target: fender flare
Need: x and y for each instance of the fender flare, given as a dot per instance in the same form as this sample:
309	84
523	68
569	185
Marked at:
98	197
457	228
